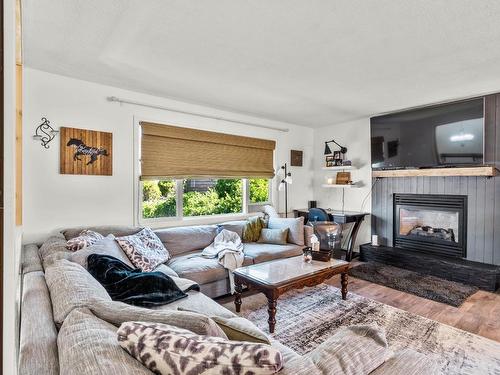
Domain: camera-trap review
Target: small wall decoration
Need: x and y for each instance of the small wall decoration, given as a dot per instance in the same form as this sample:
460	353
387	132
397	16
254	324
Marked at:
45	133
86	152
296	158
343	178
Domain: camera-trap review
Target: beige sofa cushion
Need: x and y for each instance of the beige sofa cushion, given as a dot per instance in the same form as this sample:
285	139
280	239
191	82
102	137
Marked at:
88	346
107	246
71	286
197	268
118	312
167	271
263	252
351	351
181	240
295	226
52	249
236	226
38	336
200	303
105	230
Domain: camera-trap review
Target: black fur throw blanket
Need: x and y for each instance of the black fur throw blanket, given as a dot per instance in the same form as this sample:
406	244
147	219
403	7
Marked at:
132	286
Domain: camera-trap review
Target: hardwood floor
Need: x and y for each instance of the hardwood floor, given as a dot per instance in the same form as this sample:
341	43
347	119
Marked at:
478	314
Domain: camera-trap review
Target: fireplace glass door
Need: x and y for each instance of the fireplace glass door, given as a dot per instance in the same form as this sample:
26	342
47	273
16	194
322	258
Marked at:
426	223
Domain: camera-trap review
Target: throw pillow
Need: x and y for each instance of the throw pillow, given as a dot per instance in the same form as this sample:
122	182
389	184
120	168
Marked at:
84	239
236	328
236	226
167	349
295	226
274	236
241	329
251	232
106	246
144	249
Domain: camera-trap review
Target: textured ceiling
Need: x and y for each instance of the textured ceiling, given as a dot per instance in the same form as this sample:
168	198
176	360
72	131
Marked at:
314	62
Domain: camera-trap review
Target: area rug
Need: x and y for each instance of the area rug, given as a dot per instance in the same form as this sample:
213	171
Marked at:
425	286
305	318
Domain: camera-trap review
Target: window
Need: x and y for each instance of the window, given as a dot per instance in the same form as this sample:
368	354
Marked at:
175	198
259	190
159	199
212	196
188	188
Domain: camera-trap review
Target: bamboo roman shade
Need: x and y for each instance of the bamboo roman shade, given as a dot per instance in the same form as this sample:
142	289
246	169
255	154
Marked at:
171	151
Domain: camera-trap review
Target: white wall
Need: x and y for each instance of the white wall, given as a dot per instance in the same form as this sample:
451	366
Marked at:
354	135
53	200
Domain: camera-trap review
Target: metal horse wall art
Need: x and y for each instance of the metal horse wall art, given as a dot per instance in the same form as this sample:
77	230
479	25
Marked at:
82	149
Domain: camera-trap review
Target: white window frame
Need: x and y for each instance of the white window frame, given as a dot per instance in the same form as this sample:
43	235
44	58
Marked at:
269	193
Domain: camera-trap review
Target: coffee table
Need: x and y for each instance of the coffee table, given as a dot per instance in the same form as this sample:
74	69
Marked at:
276	277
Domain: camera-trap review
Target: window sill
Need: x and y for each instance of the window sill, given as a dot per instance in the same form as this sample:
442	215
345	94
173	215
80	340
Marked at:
165	222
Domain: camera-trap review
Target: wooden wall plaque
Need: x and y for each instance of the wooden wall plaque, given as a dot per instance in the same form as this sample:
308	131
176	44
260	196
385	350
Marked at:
86	152
296	158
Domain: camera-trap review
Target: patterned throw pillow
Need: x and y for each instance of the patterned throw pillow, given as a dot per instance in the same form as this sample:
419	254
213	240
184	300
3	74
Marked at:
144	249
86	238
167	349
251	232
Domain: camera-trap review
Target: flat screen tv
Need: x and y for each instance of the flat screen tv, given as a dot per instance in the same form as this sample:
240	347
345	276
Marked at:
449	135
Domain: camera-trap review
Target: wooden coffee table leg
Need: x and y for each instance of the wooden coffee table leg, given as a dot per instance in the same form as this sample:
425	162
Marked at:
343	278
238	288
271	309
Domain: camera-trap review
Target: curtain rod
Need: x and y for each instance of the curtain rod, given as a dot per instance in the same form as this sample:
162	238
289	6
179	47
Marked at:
126	101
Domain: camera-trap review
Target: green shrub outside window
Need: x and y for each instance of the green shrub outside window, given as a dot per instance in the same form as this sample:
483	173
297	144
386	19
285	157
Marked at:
200	197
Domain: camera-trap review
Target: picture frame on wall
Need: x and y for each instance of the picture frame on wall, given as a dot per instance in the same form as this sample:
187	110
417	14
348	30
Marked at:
86	152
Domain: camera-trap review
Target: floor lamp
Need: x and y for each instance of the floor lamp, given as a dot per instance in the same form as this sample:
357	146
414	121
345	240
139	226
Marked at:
287	179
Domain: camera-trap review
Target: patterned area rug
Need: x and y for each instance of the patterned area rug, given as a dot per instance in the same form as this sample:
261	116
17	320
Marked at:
307	317
425	286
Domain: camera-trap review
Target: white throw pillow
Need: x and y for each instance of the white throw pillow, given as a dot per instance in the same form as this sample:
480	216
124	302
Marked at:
144	249
295	228
169	350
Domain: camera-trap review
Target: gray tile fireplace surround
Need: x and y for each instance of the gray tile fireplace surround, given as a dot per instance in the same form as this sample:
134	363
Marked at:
483	213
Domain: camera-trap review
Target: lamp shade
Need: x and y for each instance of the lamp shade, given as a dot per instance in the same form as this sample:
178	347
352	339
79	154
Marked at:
288	179
327	149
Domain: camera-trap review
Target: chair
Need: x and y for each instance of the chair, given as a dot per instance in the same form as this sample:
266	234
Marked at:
317	214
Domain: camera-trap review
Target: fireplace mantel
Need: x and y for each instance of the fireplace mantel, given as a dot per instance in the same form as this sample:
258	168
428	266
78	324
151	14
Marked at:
485	171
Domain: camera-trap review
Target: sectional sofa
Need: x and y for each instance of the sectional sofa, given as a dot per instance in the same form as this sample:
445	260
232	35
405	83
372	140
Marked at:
69	322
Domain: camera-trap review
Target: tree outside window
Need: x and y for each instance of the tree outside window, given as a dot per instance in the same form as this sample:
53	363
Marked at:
200	197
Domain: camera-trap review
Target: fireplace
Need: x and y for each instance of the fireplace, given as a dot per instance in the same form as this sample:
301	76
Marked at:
433	224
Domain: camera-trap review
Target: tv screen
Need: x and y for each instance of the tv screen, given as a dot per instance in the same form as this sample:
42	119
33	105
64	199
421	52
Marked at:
440	136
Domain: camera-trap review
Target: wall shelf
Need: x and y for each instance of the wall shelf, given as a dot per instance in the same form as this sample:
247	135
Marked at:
486	171
340	186
340	168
